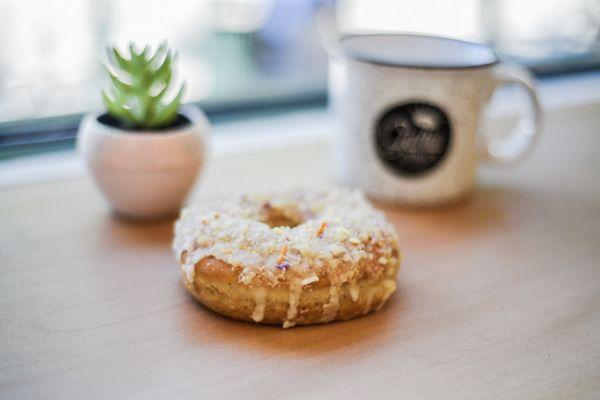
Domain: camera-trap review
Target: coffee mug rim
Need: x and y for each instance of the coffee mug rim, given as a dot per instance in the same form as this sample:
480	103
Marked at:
371	60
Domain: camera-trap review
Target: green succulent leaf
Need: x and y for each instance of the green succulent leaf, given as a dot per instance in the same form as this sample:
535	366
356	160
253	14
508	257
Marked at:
115	109
167	113
116	58
160	53
138	85
118	83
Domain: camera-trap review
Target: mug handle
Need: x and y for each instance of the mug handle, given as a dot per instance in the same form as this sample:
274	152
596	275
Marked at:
517	143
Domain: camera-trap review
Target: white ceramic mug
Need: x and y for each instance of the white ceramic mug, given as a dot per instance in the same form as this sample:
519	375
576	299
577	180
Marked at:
408	110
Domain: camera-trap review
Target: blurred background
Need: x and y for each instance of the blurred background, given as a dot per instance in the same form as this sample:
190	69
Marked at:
247	57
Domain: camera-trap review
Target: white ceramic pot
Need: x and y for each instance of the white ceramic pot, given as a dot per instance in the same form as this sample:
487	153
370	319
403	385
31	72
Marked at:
145	174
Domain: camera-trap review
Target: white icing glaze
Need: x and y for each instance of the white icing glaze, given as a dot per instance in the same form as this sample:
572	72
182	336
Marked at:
189	271
232	230
389	286
331	308
354	290
309	280
260	296
369	300
292	311
189	266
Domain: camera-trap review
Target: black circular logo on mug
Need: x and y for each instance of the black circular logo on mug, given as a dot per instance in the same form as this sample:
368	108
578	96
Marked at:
412	138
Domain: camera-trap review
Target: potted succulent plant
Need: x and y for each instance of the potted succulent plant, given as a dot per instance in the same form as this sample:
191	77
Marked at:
145	151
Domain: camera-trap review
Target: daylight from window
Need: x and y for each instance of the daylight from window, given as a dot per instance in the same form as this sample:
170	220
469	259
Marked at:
238	51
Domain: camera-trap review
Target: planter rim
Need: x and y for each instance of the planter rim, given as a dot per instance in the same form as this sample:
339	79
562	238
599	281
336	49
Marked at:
193	113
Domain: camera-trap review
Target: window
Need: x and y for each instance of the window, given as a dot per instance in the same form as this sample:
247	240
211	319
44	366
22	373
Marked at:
240	55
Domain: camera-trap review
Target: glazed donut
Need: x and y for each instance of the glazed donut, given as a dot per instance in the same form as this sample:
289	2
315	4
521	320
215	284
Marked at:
292	257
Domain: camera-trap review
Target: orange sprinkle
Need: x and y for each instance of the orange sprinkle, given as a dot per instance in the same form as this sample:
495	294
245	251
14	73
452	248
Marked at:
282	254
321	229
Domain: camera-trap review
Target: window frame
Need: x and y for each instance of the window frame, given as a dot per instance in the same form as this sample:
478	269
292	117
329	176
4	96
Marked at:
28	137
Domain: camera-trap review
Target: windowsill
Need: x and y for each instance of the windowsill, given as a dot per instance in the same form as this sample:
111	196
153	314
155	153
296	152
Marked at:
560	97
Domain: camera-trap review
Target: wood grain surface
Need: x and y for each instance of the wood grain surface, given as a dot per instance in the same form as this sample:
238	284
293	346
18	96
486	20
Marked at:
499	296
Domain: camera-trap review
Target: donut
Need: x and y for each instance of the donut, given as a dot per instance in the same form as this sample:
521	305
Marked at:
292	257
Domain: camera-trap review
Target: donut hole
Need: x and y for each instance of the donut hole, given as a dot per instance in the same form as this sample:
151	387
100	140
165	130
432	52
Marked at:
288	215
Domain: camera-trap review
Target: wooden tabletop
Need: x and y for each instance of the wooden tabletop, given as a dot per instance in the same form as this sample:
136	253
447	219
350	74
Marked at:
499	297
